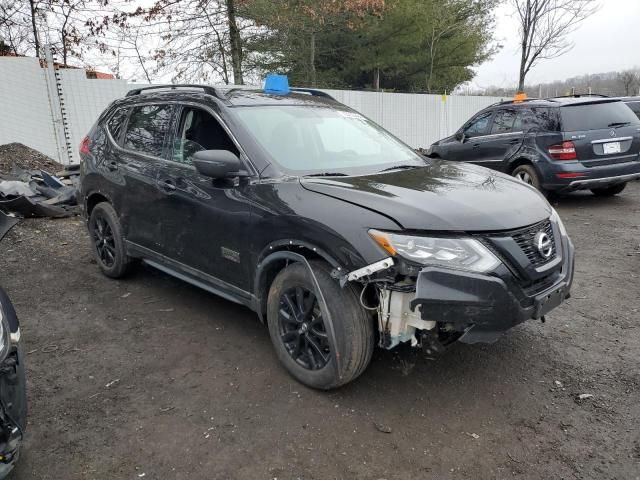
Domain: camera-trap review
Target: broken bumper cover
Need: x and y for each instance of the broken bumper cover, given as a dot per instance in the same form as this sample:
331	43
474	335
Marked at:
482	306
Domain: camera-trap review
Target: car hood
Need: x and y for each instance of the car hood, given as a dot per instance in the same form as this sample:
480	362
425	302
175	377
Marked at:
444	196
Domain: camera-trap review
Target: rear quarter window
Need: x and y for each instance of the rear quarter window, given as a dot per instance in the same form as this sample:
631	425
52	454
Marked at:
596	116
116	122
635	108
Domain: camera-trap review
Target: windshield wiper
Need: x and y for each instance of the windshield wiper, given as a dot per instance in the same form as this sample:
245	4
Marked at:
327	174
400	167
618	124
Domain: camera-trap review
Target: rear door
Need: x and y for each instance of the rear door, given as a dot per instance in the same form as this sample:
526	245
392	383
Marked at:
144	145
205	222
504	138
604	133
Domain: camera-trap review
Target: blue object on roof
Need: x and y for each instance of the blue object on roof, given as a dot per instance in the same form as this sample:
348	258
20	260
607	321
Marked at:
278	84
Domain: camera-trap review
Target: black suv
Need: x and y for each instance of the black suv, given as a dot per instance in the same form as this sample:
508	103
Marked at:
558	144
334	232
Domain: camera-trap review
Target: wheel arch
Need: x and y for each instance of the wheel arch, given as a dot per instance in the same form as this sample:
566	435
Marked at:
94	198
274	258
518	162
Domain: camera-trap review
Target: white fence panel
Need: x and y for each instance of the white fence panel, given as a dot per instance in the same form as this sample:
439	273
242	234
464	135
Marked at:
26	112
25	116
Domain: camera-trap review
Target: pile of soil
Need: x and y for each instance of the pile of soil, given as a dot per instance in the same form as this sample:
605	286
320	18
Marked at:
19	155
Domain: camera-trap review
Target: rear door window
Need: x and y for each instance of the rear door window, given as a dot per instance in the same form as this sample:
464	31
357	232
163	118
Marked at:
505	122
147	129
596	116
116	123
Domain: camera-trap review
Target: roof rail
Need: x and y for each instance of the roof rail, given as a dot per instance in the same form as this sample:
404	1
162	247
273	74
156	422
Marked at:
311	91
525	100
579	95
206	88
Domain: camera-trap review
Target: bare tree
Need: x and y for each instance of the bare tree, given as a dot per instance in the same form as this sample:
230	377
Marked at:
544	28
629	80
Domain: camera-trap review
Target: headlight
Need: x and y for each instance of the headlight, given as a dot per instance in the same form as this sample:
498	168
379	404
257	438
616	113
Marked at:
4	336
462	253
556	218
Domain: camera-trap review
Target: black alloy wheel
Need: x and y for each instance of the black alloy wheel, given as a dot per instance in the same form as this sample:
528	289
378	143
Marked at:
302	328
104	241
107	241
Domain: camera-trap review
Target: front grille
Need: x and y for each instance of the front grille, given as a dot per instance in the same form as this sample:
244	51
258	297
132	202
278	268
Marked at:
526	240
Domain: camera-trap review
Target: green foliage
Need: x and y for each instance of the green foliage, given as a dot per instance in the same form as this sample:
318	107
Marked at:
409	45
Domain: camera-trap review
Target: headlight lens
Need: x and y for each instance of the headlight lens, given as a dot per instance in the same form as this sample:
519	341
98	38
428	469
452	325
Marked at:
462	253
556	218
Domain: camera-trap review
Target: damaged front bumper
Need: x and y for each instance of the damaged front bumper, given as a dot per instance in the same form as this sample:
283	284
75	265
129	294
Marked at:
484	306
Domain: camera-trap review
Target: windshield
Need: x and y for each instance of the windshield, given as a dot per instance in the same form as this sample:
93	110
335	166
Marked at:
318	140
596	116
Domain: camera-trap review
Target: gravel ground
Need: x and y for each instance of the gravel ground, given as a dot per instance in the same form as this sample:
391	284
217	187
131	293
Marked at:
152	378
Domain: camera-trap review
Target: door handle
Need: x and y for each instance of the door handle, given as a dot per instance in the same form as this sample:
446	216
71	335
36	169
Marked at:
515	141
168	186
476	145
112	165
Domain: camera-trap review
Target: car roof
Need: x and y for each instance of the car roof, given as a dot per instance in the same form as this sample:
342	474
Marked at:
556	101
234	96
248	97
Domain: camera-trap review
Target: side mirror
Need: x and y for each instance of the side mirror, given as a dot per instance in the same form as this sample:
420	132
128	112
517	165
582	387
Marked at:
460	136
218	164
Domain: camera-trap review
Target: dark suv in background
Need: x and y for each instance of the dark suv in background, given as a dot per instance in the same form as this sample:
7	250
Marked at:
557	144
334	232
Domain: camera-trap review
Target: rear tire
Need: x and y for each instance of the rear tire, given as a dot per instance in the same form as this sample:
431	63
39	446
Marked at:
107	241
295	335
527	174
609	191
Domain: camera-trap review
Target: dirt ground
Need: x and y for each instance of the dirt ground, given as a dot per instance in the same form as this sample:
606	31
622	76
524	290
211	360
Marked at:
152	378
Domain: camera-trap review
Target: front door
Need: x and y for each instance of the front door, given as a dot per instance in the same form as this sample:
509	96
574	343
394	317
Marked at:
469	146
205	222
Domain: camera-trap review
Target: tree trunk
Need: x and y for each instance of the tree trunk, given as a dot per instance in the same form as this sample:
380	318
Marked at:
376	79
523	61
236	43
32	5
312	59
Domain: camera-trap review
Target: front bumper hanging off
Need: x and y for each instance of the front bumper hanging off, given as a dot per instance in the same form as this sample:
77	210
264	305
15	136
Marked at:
483	307
480	306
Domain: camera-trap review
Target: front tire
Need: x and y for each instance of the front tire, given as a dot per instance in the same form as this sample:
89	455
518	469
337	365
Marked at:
108	242
609	191
299	333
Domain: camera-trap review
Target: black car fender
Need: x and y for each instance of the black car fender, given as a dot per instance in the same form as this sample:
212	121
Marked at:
272	259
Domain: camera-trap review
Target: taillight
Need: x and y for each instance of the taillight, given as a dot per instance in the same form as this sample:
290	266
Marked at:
84	146
563	151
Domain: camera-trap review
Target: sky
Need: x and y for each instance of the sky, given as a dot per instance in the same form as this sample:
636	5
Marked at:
606	41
